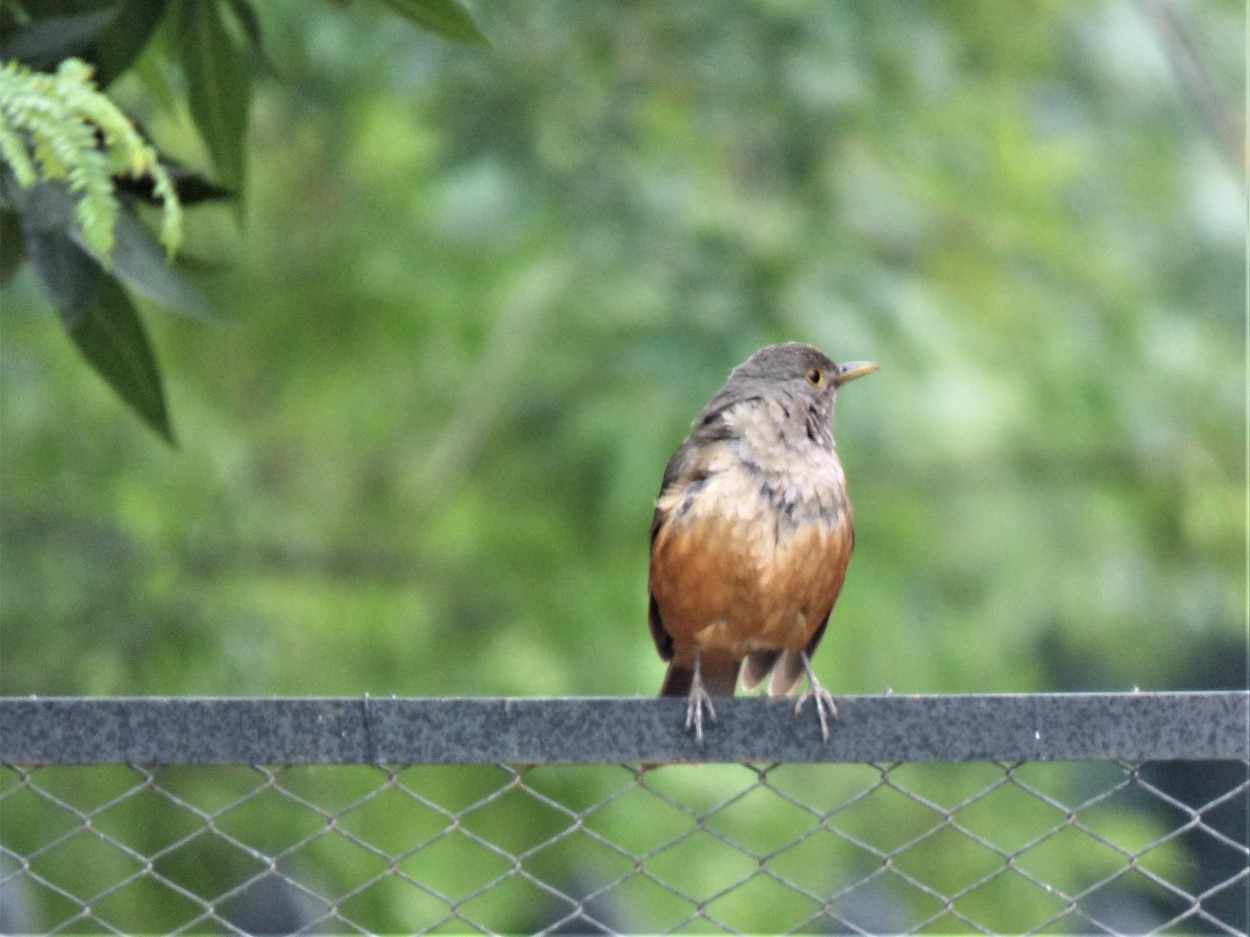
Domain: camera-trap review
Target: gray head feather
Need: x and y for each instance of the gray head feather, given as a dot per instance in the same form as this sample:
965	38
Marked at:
781	372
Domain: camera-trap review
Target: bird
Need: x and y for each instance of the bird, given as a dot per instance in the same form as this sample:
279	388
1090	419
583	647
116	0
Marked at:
752	535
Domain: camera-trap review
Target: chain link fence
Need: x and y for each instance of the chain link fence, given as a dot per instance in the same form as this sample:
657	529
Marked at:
1122	813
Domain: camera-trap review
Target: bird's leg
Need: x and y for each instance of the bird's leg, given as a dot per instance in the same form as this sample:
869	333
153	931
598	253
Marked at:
697	699
818	693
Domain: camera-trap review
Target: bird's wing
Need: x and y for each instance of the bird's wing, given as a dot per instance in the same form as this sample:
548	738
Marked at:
688	464
676	472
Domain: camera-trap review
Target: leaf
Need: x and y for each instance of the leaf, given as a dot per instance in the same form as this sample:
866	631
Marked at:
110	335
137	259
12	245
125	37
141	263
77	134
245	13
164	85
191	186
446	17
218	85
94	309
70	276
45	43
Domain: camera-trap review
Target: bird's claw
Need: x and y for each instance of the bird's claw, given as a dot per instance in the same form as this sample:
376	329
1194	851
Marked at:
825	707
698	699
824	701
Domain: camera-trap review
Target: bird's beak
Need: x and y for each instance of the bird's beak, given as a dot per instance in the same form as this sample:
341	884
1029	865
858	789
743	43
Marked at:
852	370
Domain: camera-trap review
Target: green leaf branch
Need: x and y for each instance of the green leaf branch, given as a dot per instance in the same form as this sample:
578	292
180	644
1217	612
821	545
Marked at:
60	127
74	167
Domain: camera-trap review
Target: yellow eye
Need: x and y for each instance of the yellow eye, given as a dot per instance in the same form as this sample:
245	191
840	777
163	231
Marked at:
815	377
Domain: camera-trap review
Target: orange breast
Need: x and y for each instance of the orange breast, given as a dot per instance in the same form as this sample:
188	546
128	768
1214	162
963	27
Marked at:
728	582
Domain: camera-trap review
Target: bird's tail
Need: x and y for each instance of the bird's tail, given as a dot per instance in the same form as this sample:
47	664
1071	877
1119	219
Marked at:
786	668
678	680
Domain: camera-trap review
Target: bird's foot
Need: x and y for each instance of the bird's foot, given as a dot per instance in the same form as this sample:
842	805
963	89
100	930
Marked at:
825	707
698	699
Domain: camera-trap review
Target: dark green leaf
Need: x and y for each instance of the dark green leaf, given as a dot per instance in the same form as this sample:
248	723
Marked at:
218	85
446	17
191	186
70	276
45	43
142	264
249	24
245	13
125	37
45	205
12	244
110	335
47	211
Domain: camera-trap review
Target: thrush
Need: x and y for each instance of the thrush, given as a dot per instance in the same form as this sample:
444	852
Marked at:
752	535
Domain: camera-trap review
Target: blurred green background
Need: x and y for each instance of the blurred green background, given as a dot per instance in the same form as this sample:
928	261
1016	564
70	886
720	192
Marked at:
477	295
480	293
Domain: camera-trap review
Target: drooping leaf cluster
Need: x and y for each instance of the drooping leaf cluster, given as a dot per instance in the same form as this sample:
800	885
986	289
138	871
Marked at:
76	169
59	127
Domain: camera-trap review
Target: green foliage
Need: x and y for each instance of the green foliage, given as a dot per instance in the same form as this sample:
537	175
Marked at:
445	17
110	335
59	126
59	134
218	85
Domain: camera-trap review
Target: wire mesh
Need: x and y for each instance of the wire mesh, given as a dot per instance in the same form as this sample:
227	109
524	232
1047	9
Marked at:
985	847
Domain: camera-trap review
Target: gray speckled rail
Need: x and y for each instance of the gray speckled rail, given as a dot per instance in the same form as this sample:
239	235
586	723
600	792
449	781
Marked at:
1042	727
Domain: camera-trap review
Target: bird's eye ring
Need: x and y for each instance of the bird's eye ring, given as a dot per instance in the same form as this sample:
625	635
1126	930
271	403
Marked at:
815	377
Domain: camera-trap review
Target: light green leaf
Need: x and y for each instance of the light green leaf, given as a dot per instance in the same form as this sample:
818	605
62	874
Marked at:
218	85
446	17
110	335
61	129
